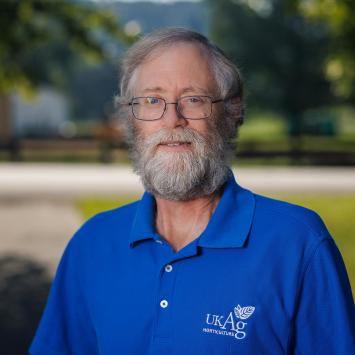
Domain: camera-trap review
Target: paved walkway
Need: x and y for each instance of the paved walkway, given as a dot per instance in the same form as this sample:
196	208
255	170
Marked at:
59	180
38	229
37	216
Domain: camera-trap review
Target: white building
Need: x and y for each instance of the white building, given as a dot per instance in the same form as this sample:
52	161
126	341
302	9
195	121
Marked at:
45	114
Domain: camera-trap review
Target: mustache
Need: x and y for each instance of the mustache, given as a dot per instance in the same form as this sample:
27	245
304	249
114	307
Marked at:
164	136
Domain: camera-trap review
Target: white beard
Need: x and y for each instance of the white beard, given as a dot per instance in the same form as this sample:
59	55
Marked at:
181	175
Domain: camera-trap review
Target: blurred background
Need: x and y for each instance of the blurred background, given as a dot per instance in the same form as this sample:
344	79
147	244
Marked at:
62	156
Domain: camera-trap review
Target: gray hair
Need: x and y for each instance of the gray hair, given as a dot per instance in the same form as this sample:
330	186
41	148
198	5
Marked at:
227	75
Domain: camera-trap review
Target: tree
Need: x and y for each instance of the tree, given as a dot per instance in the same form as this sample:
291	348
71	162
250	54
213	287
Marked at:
33	25
280	53
338	16
39	40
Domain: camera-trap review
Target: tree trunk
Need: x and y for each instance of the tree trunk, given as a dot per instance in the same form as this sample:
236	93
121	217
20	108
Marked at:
5	124
295	128
7	140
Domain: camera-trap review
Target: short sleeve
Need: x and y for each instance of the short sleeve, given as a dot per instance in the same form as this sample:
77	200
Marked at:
66	327
325	319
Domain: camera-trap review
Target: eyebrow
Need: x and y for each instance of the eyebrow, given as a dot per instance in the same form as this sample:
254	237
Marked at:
153	89
195	88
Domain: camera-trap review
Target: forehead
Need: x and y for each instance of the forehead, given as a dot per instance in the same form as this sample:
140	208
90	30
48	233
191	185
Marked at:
175	68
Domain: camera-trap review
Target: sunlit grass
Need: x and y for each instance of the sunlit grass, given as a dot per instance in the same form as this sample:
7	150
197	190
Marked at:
90	206
264	126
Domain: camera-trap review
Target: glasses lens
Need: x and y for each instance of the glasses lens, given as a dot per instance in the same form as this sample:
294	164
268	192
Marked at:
148	108
195	107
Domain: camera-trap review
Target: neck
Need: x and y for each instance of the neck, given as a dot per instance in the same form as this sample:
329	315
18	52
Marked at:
180	222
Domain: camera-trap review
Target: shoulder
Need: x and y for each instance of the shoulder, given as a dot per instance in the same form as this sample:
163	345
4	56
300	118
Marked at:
292	229
286	215
113	216
290	238
112	225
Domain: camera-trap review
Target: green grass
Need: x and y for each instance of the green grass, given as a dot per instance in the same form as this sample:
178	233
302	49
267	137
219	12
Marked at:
263	126
269	126
90	206
337	211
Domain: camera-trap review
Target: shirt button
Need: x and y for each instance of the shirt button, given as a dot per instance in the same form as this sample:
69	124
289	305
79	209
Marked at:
168	268
159	241
163	303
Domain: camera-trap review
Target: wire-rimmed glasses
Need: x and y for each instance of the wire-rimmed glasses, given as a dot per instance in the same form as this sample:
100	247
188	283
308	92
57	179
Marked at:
150	108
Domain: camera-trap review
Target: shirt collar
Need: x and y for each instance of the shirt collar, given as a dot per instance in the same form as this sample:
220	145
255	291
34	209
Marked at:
144	221
231	222
228	227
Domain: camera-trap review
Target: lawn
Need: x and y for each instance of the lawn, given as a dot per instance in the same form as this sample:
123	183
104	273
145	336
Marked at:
336	210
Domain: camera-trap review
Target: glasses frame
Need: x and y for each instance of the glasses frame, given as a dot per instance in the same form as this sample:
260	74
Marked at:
174	103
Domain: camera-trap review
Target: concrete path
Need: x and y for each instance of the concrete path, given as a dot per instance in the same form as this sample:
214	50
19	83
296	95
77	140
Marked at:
38	229
53	180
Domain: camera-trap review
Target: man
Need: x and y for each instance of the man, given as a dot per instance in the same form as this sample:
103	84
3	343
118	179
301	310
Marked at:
199	265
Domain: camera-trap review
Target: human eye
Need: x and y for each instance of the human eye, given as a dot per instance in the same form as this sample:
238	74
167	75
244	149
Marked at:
193	100
152	101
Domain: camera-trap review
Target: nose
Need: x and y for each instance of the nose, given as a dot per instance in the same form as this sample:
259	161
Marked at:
172	117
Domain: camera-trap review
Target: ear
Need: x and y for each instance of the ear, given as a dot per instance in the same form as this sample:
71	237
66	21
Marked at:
236	100
238	109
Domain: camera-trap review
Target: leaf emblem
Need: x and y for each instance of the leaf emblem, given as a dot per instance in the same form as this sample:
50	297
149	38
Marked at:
243	312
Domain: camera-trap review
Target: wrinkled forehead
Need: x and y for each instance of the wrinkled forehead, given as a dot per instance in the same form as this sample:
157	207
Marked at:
182	46
183	64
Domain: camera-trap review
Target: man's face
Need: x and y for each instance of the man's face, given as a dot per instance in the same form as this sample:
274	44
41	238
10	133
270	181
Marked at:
171	73
177	158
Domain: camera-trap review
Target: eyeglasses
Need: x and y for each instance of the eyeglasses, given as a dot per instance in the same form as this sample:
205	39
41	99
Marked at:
149	108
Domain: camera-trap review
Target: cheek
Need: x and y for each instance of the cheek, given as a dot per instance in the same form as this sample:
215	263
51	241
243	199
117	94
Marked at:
200	126
217	119
147	128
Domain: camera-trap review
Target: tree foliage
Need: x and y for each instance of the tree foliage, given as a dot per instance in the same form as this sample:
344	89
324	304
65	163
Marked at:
280	53
39	39
339	17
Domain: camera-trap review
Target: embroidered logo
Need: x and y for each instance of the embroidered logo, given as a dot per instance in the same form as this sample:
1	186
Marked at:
243	313
230	325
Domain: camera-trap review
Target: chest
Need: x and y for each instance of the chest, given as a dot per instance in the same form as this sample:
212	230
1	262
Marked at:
215	302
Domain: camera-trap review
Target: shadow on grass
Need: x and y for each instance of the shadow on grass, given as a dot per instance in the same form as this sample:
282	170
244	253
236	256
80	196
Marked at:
24	286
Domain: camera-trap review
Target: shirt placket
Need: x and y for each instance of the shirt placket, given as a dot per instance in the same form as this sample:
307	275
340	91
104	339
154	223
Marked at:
163	330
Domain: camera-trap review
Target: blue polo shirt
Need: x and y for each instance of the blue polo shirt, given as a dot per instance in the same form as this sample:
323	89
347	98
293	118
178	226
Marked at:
265	277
